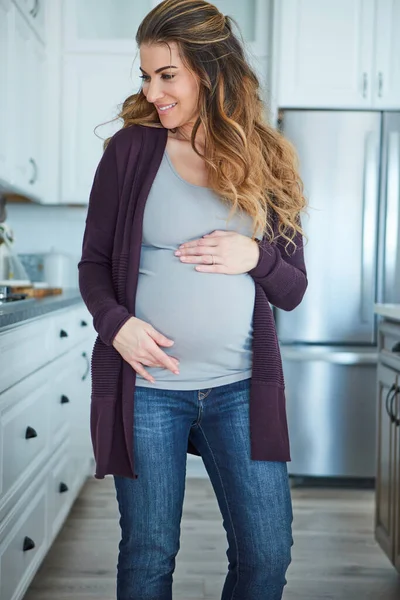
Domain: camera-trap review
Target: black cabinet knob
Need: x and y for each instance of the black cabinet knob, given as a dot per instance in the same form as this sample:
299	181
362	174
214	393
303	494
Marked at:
30	433
64	399
83	324
396	347
29	544
63	488
63	333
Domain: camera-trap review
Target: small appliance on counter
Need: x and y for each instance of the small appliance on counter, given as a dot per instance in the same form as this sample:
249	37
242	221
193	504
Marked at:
58	269
54	269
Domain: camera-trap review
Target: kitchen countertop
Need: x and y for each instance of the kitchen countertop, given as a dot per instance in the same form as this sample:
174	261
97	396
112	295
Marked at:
14	313
390	311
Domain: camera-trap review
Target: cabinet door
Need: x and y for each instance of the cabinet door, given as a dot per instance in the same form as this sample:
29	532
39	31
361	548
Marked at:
386	453
21	117
97	26
325	53
93	88
5	100
386	90
28	97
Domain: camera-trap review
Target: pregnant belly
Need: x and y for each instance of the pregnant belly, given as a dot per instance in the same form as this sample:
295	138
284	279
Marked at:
203	313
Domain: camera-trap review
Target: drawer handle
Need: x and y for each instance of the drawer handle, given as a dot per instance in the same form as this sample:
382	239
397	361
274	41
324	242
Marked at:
63	488
64	399
85	356
83	324
28	543
396	347
63	333
393	416
30	433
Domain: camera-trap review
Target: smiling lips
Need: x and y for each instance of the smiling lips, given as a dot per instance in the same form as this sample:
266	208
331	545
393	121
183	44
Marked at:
166	107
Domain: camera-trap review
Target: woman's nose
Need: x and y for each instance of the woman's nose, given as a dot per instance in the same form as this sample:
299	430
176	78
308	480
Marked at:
154	92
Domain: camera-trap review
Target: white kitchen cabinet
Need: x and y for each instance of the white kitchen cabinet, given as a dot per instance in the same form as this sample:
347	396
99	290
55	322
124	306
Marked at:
26	121
35	13
386	74
46	453
5	75
342	54
325	53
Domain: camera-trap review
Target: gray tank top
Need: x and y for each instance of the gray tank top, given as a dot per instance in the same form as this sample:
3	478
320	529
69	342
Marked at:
208	315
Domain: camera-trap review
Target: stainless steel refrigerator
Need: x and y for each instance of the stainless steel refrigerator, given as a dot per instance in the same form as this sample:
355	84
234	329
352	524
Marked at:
350	166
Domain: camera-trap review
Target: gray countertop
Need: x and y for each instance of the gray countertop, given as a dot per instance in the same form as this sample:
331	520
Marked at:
14	313
390	311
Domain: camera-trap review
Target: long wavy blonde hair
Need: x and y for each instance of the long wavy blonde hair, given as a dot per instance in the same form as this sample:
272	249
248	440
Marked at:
249	163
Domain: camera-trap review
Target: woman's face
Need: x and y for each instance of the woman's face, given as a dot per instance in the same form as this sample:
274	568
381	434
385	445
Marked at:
173	84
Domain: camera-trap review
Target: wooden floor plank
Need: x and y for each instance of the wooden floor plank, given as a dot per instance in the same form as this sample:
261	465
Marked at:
335	556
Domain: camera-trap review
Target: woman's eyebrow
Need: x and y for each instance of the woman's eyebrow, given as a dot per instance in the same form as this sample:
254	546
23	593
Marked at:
160	69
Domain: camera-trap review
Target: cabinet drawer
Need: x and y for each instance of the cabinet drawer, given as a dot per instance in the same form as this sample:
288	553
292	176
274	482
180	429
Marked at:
70	394
71	327
389	340
24	349
60	489
23	548
24	429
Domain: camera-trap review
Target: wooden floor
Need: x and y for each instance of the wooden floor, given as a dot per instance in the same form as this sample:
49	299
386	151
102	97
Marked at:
334	556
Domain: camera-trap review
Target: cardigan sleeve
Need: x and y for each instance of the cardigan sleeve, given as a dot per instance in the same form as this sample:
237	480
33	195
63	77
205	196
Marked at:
95	275
282	276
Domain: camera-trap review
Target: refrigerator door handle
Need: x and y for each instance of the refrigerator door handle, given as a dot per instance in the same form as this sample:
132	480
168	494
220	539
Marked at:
369	226
341	357
392	212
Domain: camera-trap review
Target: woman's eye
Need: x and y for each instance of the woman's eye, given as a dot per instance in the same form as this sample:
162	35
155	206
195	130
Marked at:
164	76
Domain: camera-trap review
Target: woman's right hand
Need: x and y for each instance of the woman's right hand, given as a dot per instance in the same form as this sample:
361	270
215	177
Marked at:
138	343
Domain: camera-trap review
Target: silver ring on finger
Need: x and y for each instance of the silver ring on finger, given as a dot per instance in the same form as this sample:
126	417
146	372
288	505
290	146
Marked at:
212	258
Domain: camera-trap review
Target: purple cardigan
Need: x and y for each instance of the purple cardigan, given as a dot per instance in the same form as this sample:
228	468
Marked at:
108	275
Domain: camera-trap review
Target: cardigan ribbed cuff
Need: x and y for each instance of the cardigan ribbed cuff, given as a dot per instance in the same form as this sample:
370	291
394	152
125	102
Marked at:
266	261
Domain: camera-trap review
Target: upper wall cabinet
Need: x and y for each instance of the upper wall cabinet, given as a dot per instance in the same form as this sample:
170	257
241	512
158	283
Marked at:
103	26
342	54
22	103
27	114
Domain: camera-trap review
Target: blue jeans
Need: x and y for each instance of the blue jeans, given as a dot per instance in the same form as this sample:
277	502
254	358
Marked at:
253	496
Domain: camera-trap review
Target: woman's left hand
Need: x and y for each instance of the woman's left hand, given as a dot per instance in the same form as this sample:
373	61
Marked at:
225	252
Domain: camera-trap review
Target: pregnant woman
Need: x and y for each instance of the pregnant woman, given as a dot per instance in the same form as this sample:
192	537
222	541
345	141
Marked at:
193	230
